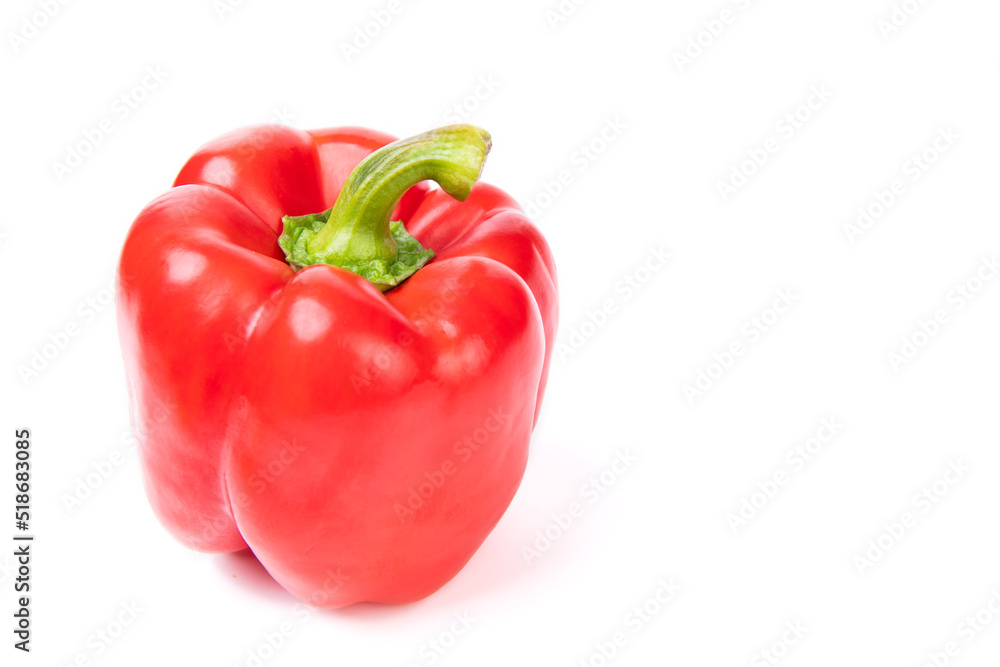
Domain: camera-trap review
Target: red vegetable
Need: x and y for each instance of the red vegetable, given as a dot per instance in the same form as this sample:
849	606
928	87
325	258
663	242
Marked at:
362	438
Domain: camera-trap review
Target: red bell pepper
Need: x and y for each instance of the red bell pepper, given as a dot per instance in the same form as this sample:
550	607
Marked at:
360	429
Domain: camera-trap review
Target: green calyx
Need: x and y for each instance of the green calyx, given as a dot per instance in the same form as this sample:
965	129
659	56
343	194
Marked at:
386	274
357	234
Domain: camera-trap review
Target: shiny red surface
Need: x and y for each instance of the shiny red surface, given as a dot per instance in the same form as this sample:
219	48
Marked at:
299	413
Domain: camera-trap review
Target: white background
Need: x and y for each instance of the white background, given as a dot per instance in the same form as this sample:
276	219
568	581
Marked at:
676	131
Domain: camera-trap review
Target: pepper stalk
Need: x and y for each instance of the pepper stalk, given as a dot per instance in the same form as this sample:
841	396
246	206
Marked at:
357	233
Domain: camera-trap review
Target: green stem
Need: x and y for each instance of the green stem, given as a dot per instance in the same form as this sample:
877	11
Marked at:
357	234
